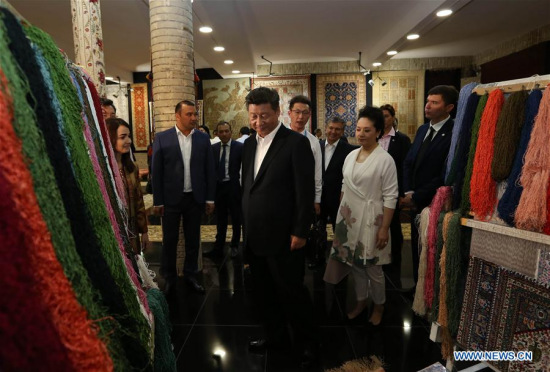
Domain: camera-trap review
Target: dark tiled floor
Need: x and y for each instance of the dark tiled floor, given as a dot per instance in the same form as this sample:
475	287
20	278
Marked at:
210	331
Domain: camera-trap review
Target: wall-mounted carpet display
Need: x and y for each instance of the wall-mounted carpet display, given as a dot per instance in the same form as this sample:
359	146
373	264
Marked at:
75	303
405	92
224	100
287	87
341	95
119	96
140	116
504	310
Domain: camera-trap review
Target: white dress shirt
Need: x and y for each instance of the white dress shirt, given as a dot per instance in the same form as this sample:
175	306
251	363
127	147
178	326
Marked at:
227	151
242	138
316	149
386	139
262	148
329	151
186	145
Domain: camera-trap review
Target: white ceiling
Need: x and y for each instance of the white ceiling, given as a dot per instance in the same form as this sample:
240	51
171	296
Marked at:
287	31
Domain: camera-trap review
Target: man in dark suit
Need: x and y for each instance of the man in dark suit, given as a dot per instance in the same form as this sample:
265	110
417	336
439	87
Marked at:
227	158
424	166
397	145
184	181
333	153
278	192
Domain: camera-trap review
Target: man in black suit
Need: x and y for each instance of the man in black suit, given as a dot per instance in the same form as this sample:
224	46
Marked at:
227	158
333	153
278	192
397	145
424	166
184	181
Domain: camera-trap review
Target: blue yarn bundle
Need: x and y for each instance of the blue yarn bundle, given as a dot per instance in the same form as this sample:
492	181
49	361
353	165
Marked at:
465	93
510	200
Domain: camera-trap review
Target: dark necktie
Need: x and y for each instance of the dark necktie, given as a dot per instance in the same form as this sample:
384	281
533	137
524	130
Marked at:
424	147
221	167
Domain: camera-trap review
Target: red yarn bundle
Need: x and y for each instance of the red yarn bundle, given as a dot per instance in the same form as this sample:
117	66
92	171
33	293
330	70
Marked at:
441	201
44	325
532	211
546	229
482	186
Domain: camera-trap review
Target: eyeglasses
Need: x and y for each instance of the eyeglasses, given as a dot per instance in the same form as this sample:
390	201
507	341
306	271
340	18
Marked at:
298	112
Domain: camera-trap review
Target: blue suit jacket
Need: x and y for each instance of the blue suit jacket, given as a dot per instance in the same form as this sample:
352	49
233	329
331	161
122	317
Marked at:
235	157
429	175
168	173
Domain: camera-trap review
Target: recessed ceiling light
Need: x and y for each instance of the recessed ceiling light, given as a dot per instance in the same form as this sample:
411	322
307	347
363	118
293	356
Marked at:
219	48
444	13
376	64
413	36
228	62
205	29
392	52
236	72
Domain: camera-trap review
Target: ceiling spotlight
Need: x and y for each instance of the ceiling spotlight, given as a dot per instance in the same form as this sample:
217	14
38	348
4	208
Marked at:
392	52
383	83
376	64
219	48
228	62
236	72
371	82
413	36
205	29
444	13
366	72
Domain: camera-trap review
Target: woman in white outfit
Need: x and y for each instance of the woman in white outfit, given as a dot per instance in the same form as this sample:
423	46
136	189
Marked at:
369	195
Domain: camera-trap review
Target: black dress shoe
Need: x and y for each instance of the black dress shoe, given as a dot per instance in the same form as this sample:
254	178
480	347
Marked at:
193	283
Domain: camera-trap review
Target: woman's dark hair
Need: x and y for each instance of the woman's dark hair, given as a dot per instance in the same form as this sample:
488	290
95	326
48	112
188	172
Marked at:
375	115
206	129
112	128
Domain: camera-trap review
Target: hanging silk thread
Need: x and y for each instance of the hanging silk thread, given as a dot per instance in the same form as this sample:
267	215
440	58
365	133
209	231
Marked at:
419	303
482	186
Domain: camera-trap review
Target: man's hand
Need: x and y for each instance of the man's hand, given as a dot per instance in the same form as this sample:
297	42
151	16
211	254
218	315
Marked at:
297	242
209	208
158	211
382	238
406	201
317	207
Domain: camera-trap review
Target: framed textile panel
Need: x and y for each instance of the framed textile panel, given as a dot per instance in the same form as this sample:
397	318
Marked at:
223	99
287	87
341	95
119	96
405	92
140	116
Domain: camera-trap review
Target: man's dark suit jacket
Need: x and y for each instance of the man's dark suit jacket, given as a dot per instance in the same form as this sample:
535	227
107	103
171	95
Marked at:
398	149
278	203
332	177
168	173
429	175
234	169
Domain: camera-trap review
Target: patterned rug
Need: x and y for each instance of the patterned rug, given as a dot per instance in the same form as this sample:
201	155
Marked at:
503	310
341	95
140	116
543	272
223	99
287	87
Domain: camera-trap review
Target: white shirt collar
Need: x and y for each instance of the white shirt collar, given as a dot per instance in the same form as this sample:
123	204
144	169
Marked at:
270	136
228	143
391	133
437	126
334	144
178	131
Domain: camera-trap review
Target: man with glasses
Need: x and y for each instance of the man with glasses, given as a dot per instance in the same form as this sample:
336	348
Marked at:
300	112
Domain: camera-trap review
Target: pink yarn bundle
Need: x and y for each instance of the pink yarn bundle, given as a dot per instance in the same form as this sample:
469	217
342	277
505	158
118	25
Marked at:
532	210
482	186
440	202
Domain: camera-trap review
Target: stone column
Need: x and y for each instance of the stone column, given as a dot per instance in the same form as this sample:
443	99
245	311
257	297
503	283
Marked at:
88	40
172	57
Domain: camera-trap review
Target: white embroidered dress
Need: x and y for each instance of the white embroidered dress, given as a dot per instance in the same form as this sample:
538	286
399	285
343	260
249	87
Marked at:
368	187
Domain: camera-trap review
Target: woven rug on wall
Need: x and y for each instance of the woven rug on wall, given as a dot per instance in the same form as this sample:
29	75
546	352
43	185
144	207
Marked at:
543	272
341	95
119	96
223	99
504	310
405	92
287	87
140	116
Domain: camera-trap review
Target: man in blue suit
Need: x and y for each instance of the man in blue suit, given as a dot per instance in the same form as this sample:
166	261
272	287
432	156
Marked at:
184	181
424	166
227	159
